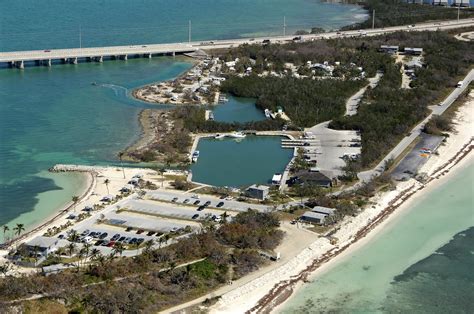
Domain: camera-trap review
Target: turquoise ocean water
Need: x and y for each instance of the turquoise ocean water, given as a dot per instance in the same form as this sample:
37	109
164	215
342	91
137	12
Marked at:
54	115
421	263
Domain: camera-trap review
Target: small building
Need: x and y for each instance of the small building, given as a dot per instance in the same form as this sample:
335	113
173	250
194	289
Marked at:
413	51
313	217
276	179
43	246
312	177
388	49
257	191
323	210
413	64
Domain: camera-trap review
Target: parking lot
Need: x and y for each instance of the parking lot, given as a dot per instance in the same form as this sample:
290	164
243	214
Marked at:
174	210
180	197
417	157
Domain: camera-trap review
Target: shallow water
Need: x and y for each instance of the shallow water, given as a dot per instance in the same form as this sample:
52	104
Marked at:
240	162
413	266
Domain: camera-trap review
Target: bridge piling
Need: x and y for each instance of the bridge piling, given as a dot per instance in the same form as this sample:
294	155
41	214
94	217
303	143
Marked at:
74	60
20	64
125	57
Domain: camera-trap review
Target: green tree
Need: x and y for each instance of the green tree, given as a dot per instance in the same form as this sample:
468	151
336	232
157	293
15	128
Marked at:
118	248
18	229
75	199
106	182
5	230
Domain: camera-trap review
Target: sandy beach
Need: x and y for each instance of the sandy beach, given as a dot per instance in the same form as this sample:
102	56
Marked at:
271	289
96	189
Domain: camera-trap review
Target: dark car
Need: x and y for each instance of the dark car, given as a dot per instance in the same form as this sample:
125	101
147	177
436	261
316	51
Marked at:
207	203
115	237
140	241
129	229
197	202
133	241
140	231
201	208
220	204
174	200
266	41
150	233
121	239
61	236
98	243
103	235
195	216
186	201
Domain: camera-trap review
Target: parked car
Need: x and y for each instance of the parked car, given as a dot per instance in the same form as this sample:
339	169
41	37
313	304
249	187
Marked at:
115	237
111	243
127	239
150	233
197	202
174	229
99	243
174	200
129	229
220	204
85	232
140	241
121	239
103	235
61	236
207	203
140	231
186	201
195	216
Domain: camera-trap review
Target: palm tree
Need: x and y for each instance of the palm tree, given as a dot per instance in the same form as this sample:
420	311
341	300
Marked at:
106	182
149	245
118	248
75	199
5	229
120	155
71	247
224	217
73	236
95	254
18	229
162	172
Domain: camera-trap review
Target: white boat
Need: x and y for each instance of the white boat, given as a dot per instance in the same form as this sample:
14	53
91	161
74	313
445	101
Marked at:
195	156
268	113
219	136
237	135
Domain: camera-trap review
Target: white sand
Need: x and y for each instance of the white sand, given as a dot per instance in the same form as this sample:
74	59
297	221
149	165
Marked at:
246	296
96	190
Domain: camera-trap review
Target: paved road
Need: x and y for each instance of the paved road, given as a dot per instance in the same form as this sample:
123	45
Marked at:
366	176
193	46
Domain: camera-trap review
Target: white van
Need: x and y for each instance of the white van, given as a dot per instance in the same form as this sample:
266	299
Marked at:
459	84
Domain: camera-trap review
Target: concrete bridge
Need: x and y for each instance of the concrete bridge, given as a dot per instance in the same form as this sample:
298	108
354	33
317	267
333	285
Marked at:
97	54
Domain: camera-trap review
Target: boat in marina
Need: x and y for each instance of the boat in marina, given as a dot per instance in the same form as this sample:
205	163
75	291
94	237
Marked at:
219	136
237	135
267	113
211	116
195	156
222	99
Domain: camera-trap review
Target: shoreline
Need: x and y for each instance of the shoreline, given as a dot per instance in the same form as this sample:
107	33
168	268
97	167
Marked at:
271	290
91	182
367	235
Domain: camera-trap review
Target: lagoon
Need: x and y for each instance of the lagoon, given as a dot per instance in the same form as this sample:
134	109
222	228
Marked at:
240	162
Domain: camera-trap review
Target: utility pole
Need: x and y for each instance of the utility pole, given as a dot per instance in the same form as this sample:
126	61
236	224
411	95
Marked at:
459	10
284	26
80	37
373	19
189	31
